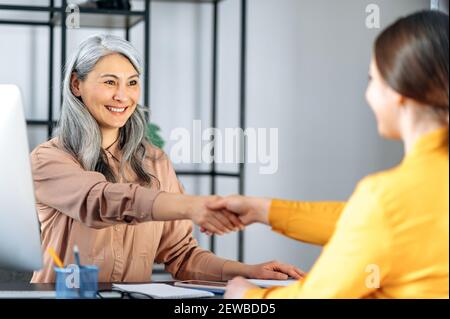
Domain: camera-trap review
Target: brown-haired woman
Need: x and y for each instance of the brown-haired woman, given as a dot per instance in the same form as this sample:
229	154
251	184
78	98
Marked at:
391	239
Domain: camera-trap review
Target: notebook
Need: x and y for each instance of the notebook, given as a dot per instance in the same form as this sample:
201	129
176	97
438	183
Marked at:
164	291
220	287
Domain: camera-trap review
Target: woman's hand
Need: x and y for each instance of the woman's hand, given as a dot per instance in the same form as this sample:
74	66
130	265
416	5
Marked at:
168	206
217	221
237	287
249	209
274	270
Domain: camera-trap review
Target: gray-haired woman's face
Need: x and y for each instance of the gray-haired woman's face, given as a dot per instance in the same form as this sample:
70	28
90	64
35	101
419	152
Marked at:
110	91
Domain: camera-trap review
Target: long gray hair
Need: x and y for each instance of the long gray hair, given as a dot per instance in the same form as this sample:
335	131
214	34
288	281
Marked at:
79	132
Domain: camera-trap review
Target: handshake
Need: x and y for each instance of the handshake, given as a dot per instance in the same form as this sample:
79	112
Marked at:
221	215
213	214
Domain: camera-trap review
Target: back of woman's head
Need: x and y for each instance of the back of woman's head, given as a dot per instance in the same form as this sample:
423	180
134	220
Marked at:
412	57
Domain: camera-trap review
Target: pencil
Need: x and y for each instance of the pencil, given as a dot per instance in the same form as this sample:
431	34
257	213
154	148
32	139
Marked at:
55	257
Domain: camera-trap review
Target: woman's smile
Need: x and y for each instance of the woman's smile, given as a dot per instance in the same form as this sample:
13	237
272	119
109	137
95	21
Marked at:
116	110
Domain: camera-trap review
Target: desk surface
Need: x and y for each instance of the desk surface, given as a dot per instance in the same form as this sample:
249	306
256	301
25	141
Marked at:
23	286
33	291
46	291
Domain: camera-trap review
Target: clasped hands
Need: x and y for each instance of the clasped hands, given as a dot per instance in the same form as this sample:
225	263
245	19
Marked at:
221	215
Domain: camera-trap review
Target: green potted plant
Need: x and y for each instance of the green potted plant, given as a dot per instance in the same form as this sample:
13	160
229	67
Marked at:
153	134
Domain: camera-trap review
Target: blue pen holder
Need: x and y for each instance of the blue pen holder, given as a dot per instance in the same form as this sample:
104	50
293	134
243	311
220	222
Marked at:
73	282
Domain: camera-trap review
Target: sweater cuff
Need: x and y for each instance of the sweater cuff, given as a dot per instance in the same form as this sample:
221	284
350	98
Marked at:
142	207
255	293
278	216
216	267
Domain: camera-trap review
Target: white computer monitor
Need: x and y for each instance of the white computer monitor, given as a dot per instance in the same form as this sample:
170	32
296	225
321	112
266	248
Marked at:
441	5
20	245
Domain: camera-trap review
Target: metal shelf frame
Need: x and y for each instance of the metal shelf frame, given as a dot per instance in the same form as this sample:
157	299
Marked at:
56	15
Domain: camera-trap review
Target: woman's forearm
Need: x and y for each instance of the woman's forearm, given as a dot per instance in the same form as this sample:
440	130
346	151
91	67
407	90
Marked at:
232	269
262	208
168	206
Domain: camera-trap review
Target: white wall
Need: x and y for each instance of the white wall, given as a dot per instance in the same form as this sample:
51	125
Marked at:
308	64
307	72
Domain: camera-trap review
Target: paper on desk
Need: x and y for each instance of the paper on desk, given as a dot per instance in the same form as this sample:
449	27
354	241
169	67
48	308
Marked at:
164	291
271	283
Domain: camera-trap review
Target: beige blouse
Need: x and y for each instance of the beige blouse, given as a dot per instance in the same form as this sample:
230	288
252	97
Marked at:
111	222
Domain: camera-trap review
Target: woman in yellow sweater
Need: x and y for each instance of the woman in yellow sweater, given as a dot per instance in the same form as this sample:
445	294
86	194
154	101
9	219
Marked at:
391	239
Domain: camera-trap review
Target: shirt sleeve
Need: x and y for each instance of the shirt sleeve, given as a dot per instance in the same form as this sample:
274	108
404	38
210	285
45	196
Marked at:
62	183
179	250
356	260
311	222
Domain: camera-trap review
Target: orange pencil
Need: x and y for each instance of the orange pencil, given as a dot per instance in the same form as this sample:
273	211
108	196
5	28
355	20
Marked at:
55	257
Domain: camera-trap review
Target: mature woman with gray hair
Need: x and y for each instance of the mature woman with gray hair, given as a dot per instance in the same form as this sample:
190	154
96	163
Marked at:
102	186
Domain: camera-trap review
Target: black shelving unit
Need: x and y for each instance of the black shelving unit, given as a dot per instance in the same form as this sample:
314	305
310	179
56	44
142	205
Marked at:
103	18
92	18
